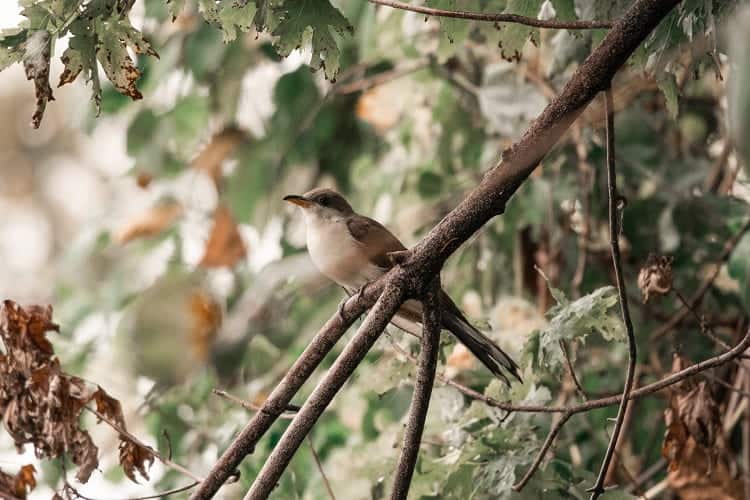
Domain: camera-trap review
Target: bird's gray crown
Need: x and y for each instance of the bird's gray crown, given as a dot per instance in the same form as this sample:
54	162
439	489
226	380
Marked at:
329	198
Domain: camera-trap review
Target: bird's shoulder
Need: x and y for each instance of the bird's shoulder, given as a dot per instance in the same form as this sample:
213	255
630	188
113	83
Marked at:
375	238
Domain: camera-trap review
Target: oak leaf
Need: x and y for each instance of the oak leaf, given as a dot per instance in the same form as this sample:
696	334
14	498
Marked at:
134	457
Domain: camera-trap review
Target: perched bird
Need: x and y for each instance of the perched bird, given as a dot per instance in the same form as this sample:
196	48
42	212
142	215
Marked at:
352	250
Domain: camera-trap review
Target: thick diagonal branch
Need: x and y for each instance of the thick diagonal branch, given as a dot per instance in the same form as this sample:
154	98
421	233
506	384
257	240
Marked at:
614	242
420	400
355	351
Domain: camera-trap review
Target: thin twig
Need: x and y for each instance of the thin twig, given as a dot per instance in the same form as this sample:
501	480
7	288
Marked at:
380	78
705	329
320	468
287	415
614	237
162	494
355	351
169	463
571	371
420	400
553	432
496	18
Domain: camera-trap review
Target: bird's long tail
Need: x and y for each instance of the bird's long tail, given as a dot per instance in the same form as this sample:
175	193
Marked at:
481	346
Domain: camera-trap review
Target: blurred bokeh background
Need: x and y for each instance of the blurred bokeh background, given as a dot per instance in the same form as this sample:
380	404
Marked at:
157	232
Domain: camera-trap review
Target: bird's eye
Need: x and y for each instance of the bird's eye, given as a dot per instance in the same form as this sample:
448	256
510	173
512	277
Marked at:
323	200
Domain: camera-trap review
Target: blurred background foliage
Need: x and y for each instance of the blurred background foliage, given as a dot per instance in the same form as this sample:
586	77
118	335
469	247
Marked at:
157	230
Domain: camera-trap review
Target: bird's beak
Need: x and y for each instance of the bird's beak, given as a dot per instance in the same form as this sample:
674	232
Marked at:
298	200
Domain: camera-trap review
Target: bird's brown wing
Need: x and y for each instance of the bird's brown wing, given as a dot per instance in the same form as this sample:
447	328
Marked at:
375	238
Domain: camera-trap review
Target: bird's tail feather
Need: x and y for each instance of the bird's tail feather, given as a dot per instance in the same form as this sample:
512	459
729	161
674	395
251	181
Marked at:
491	356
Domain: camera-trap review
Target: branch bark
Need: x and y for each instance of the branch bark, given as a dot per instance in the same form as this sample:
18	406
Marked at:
496	18
420	401
375	322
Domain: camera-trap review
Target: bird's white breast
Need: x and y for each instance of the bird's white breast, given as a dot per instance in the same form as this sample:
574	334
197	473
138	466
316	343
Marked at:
337	254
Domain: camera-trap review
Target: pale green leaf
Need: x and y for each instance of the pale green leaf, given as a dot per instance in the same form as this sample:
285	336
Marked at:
512	36
668	86
320	18
575	320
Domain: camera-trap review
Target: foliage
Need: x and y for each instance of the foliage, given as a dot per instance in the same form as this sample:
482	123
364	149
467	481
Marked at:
404	117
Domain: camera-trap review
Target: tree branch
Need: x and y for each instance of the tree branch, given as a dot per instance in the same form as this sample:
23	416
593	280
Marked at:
277	401
614	242
375	322
486	201
420	401
496	18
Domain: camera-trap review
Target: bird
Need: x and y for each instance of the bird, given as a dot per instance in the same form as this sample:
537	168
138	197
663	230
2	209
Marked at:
352	250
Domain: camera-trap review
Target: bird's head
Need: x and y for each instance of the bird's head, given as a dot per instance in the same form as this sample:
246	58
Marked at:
321	203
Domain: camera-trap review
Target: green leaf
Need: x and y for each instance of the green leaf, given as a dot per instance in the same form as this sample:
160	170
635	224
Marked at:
576	320
114	36
11	49
80	56
320	17
668	86
565	10
429	184
234	15
175	7
455	29
512	36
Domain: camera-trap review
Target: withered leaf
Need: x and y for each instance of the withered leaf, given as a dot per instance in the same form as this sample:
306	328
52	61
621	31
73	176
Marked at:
20	485
36	64
699	460
134	457
655	277
212	156
108	406
225	246
205	315
152	222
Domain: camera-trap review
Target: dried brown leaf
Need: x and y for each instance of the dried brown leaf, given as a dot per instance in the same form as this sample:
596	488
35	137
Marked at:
134	457
20	485
36	64
205	315
698	459
225	246
108	406
656	276
152	222
212	156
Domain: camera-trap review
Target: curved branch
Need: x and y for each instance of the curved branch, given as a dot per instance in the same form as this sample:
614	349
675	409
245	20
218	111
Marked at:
354	352
420	400
496	18
614	242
